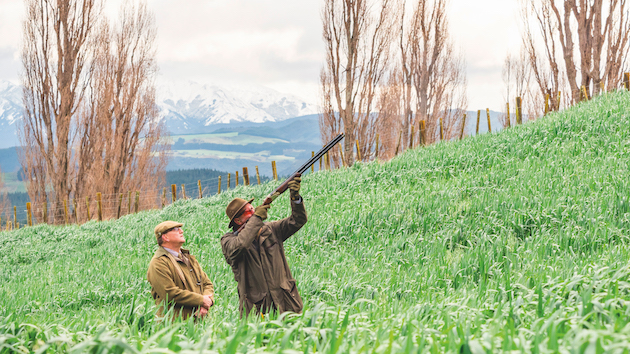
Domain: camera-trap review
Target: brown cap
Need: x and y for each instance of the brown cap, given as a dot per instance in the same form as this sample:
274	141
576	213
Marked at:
164	226
235	206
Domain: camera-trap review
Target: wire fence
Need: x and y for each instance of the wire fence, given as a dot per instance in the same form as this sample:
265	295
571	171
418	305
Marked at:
116	205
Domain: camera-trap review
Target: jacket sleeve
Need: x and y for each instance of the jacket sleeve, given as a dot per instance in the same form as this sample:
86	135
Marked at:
286	227
233	245
161	278
208	288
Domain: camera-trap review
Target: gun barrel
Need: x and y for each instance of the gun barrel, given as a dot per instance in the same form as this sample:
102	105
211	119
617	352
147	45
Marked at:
283	187
320	153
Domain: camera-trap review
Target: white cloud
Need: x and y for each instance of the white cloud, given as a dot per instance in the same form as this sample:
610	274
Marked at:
278	43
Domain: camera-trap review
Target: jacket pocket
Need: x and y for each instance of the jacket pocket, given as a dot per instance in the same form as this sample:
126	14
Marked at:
292	299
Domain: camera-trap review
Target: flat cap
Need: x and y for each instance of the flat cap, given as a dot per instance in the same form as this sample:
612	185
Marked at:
164	226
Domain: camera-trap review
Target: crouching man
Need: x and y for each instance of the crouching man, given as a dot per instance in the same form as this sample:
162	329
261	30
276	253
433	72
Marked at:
255	251
176	278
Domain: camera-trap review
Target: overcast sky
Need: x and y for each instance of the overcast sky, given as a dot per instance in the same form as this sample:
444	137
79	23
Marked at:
277	43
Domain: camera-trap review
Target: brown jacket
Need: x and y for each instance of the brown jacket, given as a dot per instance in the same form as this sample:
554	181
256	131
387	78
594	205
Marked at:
166	283
260	266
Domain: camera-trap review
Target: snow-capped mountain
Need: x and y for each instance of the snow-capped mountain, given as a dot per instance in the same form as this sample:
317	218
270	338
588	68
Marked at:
189	106
10	113
185	107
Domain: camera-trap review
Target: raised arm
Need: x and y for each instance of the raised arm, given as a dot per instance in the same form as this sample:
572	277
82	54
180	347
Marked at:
286	227
233	245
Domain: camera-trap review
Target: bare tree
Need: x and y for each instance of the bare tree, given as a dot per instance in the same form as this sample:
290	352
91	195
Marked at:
358	39
435	70
392	115
121	144
516	75
56	55
90	116
578	43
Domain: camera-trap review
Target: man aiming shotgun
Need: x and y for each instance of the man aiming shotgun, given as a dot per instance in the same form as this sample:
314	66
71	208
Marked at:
255	249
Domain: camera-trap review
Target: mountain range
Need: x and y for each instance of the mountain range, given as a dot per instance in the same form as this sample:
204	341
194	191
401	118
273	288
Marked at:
185	107
220	127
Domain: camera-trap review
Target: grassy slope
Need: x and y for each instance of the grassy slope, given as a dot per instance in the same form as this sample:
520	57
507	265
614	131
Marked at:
512	241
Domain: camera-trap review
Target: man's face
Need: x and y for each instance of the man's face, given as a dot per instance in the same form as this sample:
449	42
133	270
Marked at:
247	213
175	235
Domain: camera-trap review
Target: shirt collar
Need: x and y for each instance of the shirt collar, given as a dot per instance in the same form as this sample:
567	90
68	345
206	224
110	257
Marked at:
175	254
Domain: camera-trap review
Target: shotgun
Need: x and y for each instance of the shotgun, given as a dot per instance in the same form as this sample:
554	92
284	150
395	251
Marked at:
283	187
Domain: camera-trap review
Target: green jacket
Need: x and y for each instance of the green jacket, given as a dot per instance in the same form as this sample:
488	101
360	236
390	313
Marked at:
166	283
260	266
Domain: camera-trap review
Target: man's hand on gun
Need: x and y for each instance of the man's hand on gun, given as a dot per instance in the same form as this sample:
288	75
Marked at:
294	187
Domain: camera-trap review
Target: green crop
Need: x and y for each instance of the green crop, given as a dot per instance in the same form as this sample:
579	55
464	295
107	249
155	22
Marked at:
517	241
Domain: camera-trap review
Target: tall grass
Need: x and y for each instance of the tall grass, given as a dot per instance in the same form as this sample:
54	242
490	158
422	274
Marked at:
517	241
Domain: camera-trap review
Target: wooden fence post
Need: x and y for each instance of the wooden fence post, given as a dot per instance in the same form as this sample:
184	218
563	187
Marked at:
328	161
228	181
478	117
423	133
320	163
546	103
183	191
173	193
488	115
519	113
236	179
441	130
219	186
15	217
376	149
461	132
129	203
358	150
585	93
399	142
559	100
245	176
507	106
343	161
100	206
87	207
275	171
74	210
65	210
258	175
313	165
120	197
137	203
413	127
199	185
164	196
45	212
626	80
28	213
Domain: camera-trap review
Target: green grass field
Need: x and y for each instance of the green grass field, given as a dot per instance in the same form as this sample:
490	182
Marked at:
510	242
